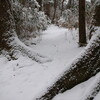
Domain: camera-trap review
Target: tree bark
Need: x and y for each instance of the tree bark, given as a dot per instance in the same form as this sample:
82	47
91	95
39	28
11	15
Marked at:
62	8
97	15
7	25
8	37
55	8
47	9
70	4
84	67
82	27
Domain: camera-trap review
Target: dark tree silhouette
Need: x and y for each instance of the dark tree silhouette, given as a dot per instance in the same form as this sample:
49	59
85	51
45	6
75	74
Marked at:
70	4
55	8
62	6
82	27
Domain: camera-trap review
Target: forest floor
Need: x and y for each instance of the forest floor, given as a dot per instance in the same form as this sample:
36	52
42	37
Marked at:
25	79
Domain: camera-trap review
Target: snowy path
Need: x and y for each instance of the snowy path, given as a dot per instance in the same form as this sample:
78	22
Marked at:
24	79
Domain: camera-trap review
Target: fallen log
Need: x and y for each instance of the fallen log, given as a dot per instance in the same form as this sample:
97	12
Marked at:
86	65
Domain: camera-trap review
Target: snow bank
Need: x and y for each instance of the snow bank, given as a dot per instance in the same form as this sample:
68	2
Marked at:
24	79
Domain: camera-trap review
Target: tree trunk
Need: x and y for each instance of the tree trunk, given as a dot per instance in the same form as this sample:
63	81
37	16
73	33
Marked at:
82	27
62	8
93	1
70	4
47	9
8	37
97	15
55	8
83	68
7	25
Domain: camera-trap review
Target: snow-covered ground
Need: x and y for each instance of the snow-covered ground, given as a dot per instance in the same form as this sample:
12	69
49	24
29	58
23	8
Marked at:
24	79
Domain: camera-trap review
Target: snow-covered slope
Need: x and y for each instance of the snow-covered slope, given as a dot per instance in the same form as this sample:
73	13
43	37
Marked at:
24	79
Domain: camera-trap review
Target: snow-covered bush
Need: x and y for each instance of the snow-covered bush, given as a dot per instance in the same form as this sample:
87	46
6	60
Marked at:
28	19
39	20
68	19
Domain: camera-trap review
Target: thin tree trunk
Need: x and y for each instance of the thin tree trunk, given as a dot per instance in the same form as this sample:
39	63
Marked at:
55	8
93	1
83	68
62	8
70	4
82	27
97	14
